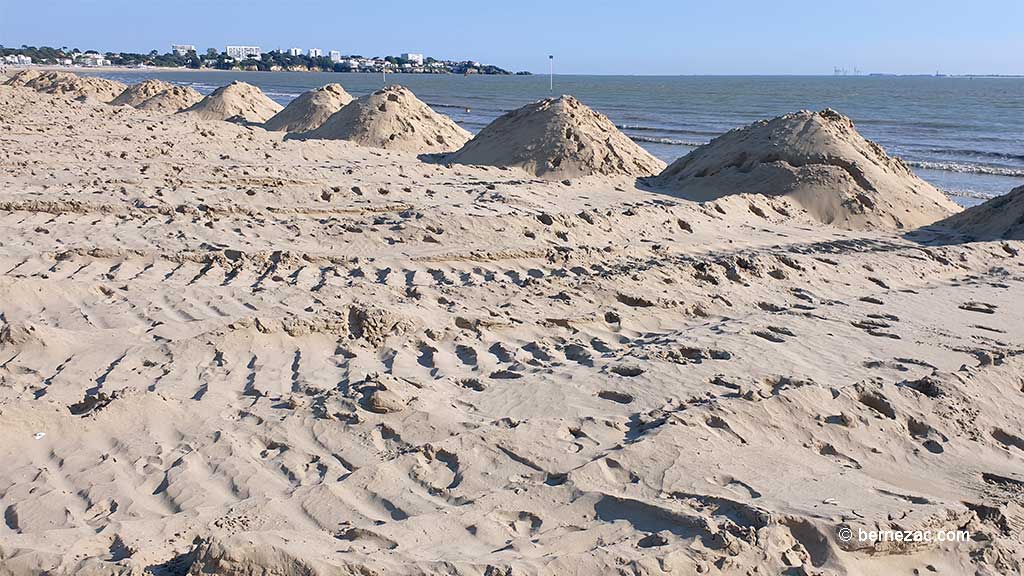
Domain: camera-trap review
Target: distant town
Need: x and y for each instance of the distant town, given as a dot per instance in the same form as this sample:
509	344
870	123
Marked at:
252	58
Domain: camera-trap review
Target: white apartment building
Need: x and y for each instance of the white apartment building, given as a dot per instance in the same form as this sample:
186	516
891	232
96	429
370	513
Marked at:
17	60
315	52
92	59
182	49
413	58
335	56
243	52
295	51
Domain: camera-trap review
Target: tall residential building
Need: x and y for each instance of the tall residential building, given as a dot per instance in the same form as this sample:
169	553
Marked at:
182	49
295	51
315	52
413	58
243	52
335	56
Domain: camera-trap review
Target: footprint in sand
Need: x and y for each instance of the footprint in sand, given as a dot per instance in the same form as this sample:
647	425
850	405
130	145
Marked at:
734	485
366	540
876	328
830	451
620	397
980	307
774	334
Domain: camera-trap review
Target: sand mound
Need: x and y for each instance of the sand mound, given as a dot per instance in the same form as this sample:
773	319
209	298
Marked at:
138	93
74	86
1001	218
821	162
22	78
558	137
173	99
310	110
236	100
395	119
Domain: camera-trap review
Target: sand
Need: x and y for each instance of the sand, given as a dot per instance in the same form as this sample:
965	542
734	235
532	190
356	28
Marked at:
227	352
392	118
22	77
138	93
558	138
236	101
73	86
1001	218
174	99
310	110
820	162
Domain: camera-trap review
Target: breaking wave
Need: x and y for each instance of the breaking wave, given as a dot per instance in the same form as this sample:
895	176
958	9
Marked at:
969	168
669	141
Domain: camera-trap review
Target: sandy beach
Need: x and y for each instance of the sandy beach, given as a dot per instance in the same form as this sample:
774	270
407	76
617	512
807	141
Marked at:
229	350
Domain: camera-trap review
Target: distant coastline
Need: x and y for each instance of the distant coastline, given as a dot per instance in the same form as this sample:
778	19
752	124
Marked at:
74	68
245	58
143	69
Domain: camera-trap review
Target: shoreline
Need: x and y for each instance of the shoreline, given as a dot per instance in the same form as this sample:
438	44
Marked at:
534	74
86	69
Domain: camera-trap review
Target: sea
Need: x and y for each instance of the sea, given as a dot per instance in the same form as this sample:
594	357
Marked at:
965	135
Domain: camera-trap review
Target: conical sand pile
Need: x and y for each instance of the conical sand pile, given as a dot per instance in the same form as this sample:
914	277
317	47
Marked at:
310	110
558	137
820	161
138	93
237	100
173	99
393	118
74	86
1001	218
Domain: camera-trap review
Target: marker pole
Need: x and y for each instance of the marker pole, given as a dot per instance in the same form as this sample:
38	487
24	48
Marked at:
551	73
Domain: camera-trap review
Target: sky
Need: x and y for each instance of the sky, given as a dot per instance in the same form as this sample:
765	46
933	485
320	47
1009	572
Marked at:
586	37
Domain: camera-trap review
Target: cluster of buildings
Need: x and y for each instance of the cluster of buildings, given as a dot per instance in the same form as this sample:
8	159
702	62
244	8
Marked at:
413	58
408	65
17	60
409	62
90	60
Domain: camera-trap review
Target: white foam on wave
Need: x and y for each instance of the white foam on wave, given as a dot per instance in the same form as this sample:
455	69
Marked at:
968	168
669	141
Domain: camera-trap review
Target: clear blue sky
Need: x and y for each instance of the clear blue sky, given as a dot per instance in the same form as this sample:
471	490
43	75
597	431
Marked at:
586	37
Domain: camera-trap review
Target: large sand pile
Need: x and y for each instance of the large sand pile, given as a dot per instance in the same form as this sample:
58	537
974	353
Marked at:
1001	218
395	119
820	161
22	78
558	137
237	100
74	86
310	110
173	99
138	93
